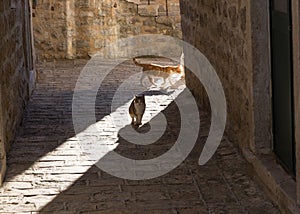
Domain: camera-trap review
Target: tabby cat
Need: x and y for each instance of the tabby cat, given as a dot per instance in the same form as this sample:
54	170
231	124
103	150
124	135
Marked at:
137	109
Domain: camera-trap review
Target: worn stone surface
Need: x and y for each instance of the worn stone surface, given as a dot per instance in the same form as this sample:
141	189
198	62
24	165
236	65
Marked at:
15	71
48	171
70	29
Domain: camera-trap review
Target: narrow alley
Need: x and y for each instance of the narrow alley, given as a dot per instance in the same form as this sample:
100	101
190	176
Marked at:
48	171
150	106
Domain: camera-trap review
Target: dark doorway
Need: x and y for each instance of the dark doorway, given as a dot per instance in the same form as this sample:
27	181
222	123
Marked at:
282	76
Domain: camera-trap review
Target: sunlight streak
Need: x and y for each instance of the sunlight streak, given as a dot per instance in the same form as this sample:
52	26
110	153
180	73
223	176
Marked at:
59	169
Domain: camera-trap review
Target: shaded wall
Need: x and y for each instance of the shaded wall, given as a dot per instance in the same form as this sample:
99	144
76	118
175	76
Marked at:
16	65
235	36
221	31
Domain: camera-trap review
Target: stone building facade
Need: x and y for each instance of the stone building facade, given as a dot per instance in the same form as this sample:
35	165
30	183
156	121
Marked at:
17	70
70	29
236	37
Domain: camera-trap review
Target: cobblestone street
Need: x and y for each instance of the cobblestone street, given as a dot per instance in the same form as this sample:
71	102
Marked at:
49	172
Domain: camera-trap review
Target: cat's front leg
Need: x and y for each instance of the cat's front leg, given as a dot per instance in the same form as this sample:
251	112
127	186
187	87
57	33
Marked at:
142	79
139	119
132	120
164	84
151	80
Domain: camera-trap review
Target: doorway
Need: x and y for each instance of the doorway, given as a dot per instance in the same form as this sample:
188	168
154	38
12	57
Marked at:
282	83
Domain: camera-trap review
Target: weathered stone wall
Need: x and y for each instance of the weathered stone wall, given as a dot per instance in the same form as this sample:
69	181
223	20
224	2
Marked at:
15	66
69	28
221	31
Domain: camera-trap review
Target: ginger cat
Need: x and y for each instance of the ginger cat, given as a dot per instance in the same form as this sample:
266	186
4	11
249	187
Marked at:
153	71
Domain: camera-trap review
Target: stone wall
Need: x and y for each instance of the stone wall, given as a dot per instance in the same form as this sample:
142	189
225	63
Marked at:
16	68
70	29
221	31
235	37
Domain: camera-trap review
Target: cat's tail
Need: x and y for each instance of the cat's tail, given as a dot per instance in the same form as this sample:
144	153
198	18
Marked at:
179	69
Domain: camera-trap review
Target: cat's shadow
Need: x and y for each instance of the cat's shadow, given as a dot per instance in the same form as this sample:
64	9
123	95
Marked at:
142	129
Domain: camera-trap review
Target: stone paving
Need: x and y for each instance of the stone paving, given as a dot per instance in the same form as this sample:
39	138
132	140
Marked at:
49	172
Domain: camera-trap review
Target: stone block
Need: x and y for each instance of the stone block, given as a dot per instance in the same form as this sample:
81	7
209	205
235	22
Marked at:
86	14
165	20
82	44
2	24
99	43
243	19
148	10
82	4
233	16
2	166
62	46
162	9
1	6
134	1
